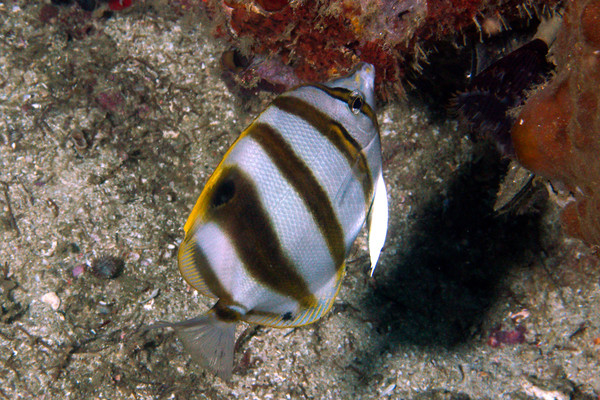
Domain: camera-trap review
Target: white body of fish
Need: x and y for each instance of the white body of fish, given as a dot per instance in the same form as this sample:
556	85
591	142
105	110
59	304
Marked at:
271	229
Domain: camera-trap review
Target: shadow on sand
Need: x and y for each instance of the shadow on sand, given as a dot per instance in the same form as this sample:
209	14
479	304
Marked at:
437	291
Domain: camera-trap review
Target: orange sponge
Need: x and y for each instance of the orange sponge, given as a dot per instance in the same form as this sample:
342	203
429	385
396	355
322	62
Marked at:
557	134
540	136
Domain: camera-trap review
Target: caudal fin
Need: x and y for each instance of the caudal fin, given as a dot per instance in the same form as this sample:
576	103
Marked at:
210	341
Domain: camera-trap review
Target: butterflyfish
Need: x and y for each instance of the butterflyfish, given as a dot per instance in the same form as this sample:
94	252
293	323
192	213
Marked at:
270	232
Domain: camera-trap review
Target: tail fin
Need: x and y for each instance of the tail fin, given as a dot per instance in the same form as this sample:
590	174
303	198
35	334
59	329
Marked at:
210	341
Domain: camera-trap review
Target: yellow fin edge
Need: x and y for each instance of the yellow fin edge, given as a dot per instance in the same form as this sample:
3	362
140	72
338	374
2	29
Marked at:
306	316
199	210
187	268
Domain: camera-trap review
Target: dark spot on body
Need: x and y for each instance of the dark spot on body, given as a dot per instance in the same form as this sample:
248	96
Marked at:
223	193
226	313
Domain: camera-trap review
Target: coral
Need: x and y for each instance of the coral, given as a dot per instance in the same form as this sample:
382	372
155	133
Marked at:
557	134
272	5
91	5
319	39
118	5
269	74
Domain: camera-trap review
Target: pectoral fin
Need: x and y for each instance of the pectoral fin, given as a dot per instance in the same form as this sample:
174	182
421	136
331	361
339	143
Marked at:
378	222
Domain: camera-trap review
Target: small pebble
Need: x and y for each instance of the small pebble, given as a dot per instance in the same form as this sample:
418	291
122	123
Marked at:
107	267
170	134
103	309
152	295
52	300
78	270
388	390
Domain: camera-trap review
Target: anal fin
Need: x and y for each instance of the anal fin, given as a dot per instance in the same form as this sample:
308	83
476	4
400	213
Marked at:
305	316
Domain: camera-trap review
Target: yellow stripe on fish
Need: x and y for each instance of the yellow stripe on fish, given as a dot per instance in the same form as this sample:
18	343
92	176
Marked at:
273	225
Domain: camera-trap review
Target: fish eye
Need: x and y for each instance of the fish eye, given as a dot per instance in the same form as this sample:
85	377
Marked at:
223	193
356	102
